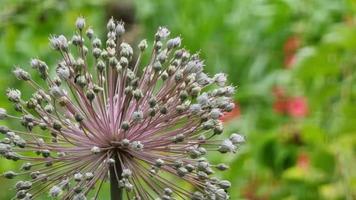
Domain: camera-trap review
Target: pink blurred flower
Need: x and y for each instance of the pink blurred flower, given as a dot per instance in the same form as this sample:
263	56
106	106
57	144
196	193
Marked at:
303	161
289	61
280	106
290	48
297	107
278	91
293	106
280	103
291	44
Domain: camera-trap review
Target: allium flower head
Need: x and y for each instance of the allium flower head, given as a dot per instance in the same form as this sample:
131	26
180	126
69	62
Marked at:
108	116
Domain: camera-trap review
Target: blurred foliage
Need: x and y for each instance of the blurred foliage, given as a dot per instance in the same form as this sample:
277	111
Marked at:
292	60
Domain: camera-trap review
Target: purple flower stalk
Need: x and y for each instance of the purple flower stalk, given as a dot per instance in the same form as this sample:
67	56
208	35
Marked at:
104	118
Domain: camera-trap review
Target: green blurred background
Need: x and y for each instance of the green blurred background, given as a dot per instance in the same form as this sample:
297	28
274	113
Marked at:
292	60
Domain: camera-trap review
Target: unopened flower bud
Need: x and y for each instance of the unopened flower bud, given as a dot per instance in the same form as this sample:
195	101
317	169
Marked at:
89	176
95	150
55	191
195	108
21	74
126	173
126	50
224	184
10	174
81	81
237	138
222	167
80	23
164	75
137	116
77	40
173	43
215	113
100	65
227	146
111	25
220	79
120	29
143	45
63	72
90	95
162	33
97	43
78	117
125	125
90	33
56	92
3	113
152	112
78	177
26	166
182	171
13	95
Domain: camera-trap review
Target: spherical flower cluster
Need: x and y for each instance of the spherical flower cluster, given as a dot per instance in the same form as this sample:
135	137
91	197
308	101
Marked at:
108	116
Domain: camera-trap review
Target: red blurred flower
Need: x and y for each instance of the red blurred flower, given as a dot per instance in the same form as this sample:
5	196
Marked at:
289	60
293	106
303	160
280	106
290	48
228	116
297	107
278	91
291	45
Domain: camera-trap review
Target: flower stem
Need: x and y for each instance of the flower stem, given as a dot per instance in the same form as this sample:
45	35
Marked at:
115	171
